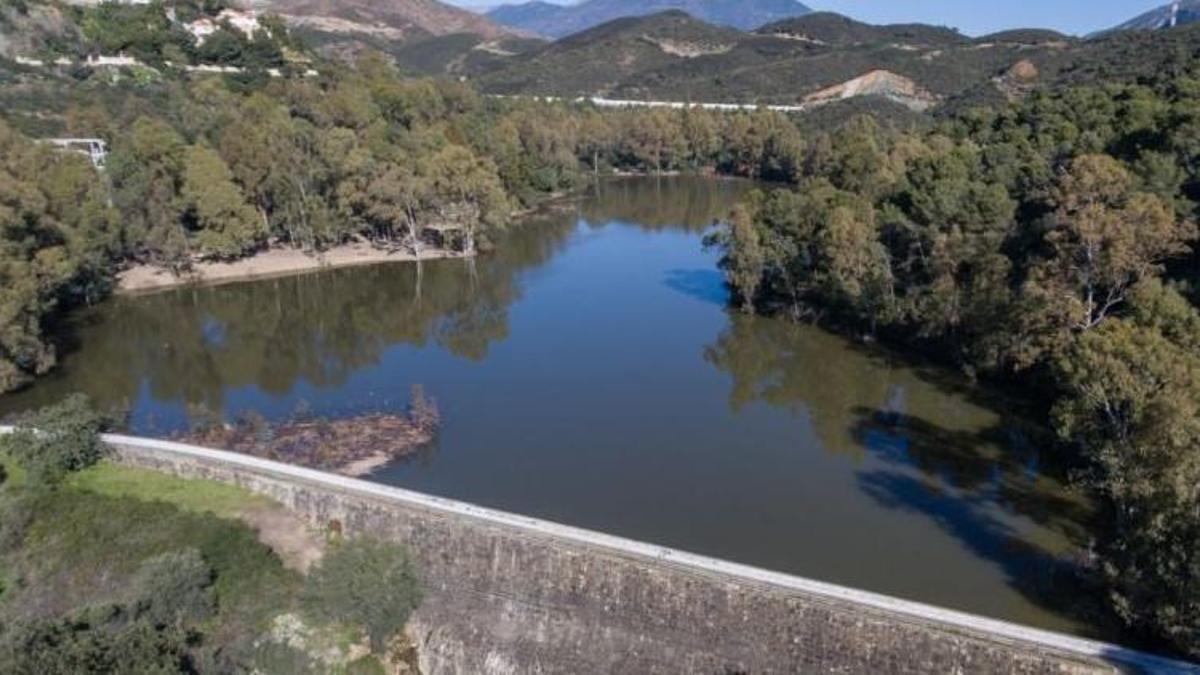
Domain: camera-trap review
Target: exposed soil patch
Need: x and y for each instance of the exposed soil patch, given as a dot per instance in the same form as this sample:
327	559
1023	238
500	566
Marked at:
295	541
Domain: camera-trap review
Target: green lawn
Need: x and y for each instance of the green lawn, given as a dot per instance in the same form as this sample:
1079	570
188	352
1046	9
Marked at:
193	496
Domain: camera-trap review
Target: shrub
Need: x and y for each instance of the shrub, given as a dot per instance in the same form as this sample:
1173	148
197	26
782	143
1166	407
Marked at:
79	646
16	514
364	582
57	440
173	589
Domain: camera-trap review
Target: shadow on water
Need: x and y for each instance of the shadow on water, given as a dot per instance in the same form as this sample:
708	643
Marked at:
942	474
706	285
978	474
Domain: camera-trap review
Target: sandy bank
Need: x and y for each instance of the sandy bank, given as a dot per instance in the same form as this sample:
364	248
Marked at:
269	263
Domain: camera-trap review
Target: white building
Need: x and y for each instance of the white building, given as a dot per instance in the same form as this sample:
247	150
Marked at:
245	22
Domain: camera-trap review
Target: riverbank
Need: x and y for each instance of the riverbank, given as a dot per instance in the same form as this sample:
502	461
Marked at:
270	263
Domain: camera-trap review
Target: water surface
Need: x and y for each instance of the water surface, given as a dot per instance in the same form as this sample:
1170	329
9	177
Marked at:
589	372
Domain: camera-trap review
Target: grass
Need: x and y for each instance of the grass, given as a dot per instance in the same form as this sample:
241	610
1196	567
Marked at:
192	496
13	475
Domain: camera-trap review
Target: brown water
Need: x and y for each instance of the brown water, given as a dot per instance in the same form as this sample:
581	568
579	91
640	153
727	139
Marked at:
589	372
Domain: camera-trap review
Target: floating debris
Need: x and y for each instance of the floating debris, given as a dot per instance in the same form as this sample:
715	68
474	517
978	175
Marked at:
354	446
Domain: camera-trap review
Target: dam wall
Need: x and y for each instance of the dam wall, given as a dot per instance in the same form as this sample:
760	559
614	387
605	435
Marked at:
510	594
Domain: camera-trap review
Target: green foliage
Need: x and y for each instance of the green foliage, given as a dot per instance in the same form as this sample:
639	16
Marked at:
57	440
16	514
367	583
143	31
228	226
173	589
77	645
1132	401
145	173
56	235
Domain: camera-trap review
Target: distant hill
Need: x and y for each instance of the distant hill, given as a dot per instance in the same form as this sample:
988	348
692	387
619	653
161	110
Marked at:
819	58
1168	16
463	54
349	25
557	21
830	29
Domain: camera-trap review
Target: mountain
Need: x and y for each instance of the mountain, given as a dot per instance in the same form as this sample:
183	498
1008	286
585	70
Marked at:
1167	16
556	21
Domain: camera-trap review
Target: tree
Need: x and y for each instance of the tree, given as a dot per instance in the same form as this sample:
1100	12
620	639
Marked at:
173	589
1105	238
79	645
227	226
596	137
468	192
57	235
1132	404
367	583
57	440
145	170
744	259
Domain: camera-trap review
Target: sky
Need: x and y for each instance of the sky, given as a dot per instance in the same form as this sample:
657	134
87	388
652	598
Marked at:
973	17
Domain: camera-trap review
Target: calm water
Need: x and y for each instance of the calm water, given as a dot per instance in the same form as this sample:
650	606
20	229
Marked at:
588	372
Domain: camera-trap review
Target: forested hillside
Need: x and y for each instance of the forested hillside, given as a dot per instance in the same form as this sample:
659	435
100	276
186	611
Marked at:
1049	244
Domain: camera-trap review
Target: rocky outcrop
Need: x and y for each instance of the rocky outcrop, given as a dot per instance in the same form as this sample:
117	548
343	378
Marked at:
1018	80
882	83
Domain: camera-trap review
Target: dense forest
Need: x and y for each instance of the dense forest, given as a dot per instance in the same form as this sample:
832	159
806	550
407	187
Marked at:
1048	244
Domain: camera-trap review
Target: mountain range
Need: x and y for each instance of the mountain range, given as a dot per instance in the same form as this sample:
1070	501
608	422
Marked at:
815	58
1168	16
555	21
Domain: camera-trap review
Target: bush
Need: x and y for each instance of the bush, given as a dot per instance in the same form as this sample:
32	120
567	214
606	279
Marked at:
16	514
80	646
366	583
57	440
173	589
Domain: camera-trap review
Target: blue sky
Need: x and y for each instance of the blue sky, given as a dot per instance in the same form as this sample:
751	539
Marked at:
976	17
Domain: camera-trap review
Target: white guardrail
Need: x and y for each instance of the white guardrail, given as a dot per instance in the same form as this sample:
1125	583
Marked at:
1002	630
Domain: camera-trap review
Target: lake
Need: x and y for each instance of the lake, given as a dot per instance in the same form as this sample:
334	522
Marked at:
588	371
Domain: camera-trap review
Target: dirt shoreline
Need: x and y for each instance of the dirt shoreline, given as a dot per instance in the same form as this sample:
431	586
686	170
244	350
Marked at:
273	262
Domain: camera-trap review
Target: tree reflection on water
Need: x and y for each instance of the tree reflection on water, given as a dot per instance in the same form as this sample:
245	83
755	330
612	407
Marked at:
978	472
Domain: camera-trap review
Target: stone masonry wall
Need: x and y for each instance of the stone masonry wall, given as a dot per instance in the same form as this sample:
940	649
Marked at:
507	594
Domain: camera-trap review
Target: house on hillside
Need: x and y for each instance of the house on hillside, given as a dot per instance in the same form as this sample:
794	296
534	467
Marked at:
245	22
